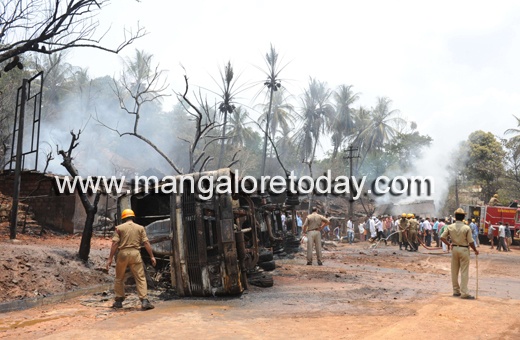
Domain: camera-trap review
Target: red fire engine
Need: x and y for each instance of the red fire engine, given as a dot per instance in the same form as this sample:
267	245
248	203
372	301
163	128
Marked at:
491	215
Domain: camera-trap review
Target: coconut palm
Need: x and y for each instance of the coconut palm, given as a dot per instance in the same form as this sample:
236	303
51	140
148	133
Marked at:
379	127
239	134
273	84
227	105
513	130
316	110
281	118
342	123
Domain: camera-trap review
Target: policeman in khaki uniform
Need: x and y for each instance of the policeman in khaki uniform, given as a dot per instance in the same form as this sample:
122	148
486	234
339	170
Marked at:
461	238
312	227
128	238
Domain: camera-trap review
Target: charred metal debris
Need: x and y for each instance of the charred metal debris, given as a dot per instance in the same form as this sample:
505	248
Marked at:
217	246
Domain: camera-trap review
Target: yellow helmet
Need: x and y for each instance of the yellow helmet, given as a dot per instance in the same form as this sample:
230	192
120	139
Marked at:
409	215
127	213
495	195
403	215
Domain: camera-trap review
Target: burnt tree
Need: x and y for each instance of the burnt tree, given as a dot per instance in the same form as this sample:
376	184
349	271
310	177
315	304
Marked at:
90	208
141	84
43	26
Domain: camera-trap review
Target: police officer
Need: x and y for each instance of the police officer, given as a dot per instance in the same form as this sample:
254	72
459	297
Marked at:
312	226
461	238
128	238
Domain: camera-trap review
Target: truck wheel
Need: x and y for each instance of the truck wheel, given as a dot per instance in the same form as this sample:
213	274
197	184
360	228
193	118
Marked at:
265	256
260	280
267	266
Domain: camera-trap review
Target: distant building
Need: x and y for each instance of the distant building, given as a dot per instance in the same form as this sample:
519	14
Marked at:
424	208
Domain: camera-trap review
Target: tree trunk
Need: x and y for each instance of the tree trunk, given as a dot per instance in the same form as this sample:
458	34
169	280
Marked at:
90	208
86	237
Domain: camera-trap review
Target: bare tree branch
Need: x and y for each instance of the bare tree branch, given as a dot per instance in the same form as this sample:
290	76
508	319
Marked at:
51	26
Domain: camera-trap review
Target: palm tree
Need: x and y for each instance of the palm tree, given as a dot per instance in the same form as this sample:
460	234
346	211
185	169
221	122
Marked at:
342	123
379	127
239	134
281	118
273	84
316	111
227	105
513	130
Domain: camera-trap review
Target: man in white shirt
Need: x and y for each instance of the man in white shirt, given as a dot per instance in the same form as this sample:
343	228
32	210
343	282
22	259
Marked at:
361	228
350	231
380	230
491	236
372	229
427	232
501	237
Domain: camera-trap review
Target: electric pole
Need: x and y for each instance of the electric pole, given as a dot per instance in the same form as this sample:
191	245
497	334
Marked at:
351	157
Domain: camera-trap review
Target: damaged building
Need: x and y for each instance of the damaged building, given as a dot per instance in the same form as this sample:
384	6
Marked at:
42	201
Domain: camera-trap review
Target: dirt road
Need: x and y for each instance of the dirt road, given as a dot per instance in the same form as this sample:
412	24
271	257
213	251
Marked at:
357	294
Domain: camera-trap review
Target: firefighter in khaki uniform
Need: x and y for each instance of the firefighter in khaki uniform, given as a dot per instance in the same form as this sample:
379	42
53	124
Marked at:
461	238
403	226
312	227
412	232
128	238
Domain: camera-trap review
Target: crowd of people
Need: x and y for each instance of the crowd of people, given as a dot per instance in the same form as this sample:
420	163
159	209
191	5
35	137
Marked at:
409	231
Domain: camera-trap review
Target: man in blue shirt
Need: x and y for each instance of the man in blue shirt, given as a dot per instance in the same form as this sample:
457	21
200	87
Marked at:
474	231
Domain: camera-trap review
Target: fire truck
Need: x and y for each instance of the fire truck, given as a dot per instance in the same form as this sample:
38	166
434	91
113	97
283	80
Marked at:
487	215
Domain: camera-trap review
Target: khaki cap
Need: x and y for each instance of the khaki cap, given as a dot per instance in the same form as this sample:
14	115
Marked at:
459	211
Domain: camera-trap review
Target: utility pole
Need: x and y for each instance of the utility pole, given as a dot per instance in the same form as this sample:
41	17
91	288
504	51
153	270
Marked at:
351	157
457	190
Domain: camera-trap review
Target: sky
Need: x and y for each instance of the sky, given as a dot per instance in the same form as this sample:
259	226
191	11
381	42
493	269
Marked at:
453	67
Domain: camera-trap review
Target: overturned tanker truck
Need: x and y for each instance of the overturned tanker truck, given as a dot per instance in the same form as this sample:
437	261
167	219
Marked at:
212	245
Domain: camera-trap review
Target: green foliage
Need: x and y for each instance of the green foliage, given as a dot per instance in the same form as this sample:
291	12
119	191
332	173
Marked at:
484	163
405	148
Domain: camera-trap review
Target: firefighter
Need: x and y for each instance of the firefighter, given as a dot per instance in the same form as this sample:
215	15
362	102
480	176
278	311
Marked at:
403	228
127	240
412	232
460	235
494	200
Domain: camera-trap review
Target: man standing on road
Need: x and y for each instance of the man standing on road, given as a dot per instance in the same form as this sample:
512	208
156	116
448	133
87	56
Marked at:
128	238
403	232
501	237
460	235
350	231
312	226
299	223
474	231
491	234
412	232
380	230
362	231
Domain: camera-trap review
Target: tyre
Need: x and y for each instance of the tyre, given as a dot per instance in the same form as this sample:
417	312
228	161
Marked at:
260	280
267	266
265	256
